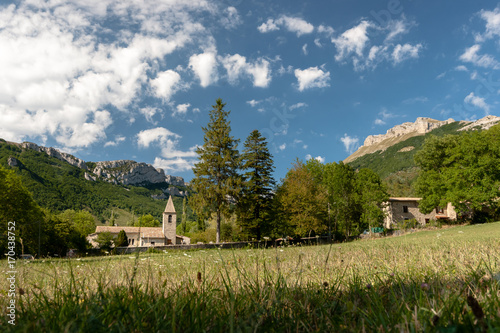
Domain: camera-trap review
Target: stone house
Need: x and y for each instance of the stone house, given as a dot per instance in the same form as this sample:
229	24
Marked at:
401	209
148	236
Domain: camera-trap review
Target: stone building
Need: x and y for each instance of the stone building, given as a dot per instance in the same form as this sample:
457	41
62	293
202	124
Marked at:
401	209
148	236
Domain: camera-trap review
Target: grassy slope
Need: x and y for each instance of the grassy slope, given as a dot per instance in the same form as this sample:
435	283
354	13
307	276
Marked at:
395	166
57	185
431	280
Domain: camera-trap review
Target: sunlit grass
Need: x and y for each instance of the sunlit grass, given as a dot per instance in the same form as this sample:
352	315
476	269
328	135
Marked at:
421	281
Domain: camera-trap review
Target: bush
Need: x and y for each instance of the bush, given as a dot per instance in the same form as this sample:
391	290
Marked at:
408	224
435	223
205	236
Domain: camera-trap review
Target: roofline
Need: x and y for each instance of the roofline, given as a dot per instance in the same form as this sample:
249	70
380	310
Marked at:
404	199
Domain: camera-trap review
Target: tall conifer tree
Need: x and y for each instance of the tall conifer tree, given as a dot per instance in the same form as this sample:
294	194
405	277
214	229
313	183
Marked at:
216	180
254	207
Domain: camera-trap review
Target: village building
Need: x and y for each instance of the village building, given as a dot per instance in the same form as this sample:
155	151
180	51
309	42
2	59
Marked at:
148	236
401	209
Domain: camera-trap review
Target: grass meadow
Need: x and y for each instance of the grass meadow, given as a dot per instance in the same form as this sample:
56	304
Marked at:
445	280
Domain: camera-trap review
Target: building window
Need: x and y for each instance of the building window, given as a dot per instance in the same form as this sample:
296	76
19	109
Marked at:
132	241
170	219
405	209
152	243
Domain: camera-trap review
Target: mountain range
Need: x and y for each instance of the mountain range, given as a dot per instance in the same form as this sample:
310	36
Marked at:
391	154
60	181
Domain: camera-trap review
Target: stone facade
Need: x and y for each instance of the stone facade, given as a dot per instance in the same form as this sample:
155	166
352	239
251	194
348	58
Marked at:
400	209
148	236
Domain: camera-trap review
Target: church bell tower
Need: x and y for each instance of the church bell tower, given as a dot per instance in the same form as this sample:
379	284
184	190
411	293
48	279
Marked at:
170	222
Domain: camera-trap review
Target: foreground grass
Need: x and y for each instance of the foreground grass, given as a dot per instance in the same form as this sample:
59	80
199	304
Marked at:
443	280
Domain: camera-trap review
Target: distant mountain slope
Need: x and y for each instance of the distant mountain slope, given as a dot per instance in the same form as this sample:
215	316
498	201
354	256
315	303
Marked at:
420	127
60	181
391	155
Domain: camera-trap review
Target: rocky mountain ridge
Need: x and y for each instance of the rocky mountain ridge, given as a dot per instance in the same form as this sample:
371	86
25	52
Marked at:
125	172
421	126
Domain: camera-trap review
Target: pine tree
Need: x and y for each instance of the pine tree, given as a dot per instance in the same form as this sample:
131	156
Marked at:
121	239
254	206
216	180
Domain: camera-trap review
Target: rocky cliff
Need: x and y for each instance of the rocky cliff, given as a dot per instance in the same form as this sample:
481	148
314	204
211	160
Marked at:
79	163
421	126
124	172
128	172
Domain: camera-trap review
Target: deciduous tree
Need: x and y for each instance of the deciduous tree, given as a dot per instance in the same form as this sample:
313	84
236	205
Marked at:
303	201
147	221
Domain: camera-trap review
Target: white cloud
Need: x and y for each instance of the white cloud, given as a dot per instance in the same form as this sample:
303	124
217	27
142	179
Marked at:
149	113
174	165
350	143
297	25
492	19
173	159
158	134
357	44
312	77
260	72
404	52
118	139
231	19
204	66
304	49
268	26
478	102
165	84
298	105
282	147
384	115
397	28
237	66
327	30
440	76
292	24
471	55
253	102
181	109
65	66
461	68
317	158
352	41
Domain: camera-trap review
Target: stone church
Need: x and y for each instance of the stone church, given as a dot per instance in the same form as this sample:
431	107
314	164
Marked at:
148	236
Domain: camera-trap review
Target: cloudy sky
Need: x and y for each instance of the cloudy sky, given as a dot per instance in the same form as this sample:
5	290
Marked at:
135	79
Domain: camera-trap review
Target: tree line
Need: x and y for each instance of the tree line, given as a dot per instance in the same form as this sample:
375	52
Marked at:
39	231
463	169
312	199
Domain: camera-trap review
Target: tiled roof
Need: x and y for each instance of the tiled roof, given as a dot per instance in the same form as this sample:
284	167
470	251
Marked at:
151	232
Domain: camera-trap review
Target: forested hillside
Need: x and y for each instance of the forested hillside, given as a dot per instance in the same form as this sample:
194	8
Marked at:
396	165
58	186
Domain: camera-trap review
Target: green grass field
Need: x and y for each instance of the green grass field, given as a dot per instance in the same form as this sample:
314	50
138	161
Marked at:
445	280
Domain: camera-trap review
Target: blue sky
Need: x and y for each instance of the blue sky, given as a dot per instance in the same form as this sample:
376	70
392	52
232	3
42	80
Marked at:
133	79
